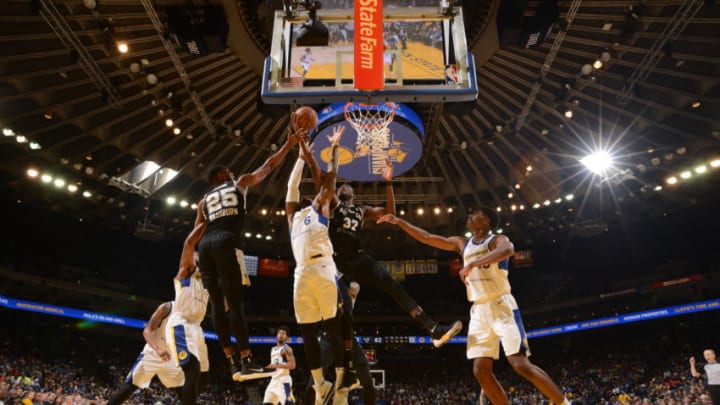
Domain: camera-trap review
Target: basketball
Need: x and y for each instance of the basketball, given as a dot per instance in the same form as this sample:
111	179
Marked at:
305	118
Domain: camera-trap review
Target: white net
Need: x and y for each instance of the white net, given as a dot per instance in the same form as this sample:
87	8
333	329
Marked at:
371	122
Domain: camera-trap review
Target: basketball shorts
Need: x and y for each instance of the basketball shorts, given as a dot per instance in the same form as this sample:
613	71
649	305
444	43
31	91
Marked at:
185	338
315	292
148	365
495	322
278	391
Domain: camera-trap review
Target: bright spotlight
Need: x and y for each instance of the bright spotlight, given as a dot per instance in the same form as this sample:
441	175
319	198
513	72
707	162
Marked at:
46	178
569	197
420	211
450	210
597	162
72	188
35	146
21	139
597	64
268	237
8	132
715	163
558	200
122	46
402	212
176	131
32	173
536	205
168	122
263	211
259	236
658	188
171	200
183	203
59	183
546	203
513	207
248	234
500	230
436	210
671	180
87	194
568	114
686	174
498	209
193	206
468	234
701	169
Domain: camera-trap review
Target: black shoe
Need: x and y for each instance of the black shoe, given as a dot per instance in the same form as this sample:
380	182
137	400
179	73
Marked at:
249	370
349	381
235	370
440	334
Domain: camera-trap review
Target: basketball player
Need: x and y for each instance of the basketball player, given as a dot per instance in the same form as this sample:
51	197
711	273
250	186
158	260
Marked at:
183	332
155	359
315	293
494	315
305	61
354	263
221	258
279	390
712	370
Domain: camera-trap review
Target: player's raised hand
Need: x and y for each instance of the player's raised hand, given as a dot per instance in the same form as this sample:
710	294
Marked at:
306	150
389	218
337	134
692	361
387	171
296	135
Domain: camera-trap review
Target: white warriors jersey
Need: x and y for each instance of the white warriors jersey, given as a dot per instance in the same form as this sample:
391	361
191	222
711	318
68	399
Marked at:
191	298
309	236
277	357
159	334
485	283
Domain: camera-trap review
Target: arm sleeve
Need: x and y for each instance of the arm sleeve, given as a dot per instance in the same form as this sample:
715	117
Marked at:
293	192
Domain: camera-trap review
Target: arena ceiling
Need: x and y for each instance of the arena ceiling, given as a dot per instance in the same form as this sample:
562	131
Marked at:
653	104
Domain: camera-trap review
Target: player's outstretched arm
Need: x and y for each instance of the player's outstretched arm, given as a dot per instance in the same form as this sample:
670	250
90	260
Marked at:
452	243
187	257
251	179
307	156
327	191
292	198
162	311
373	213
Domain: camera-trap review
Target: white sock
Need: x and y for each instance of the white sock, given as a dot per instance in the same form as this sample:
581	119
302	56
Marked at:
317	376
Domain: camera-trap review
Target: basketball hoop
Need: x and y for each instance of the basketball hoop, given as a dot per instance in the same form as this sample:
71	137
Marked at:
371	122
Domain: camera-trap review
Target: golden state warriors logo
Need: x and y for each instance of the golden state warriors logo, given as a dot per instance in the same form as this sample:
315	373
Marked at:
182	355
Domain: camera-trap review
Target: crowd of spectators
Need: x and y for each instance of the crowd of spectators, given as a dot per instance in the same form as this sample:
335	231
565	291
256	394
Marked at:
76	367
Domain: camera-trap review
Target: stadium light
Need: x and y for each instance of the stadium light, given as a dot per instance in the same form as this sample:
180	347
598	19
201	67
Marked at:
32	173
597	162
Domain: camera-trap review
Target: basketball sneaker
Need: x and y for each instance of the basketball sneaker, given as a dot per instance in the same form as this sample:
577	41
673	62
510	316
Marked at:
249	370
440	334
323	393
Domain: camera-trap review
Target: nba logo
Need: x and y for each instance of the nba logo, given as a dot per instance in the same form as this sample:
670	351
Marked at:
451	74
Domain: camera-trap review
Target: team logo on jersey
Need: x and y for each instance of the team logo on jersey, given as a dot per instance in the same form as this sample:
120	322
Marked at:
182	355
306	221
